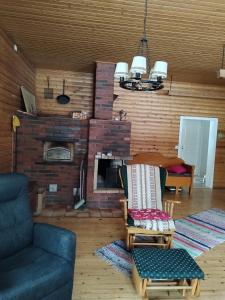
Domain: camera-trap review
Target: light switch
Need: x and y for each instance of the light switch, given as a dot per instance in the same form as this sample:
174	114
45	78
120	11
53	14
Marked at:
53	187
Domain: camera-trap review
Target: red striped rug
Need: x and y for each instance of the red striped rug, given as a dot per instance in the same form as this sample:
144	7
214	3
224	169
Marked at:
196	233
117	256
200	232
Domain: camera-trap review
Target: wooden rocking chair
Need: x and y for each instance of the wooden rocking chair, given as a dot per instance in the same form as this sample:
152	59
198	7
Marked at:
138	180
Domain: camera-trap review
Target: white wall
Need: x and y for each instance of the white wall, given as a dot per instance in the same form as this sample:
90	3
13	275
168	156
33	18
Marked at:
203	147
196	134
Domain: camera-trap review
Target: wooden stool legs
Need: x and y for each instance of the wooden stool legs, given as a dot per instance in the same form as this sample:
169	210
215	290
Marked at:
138	281
197	291
144	284
194	283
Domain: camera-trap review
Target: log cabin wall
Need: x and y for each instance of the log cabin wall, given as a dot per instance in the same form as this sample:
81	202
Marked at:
78	86
155	118
15	71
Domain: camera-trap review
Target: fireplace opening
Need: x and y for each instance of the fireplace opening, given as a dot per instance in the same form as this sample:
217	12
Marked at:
107	174
58	151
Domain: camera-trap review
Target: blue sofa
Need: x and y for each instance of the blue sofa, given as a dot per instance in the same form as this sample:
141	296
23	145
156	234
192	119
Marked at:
36	260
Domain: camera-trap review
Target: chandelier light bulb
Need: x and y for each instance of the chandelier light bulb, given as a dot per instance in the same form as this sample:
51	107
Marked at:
139	65
121	70
159	70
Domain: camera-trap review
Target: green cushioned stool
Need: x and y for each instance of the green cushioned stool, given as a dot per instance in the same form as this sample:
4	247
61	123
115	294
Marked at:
165	269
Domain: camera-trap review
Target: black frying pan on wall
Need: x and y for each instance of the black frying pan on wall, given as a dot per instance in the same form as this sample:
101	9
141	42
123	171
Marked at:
63	99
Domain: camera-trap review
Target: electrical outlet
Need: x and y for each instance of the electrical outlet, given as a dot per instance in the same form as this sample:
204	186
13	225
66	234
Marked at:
53	187
221	73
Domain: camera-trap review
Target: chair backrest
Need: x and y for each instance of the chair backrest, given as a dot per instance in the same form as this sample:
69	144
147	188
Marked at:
143	185
16	226
155	159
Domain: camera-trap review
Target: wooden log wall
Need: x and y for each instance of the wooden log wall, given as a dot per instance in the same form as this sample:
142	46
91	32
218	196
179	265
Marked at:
15	71
155	118
78	86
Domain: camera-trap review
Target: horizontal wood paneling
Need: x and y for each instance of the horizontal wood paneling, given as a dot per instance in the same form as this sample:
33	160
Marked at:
15	71
155	118
72	35
78	86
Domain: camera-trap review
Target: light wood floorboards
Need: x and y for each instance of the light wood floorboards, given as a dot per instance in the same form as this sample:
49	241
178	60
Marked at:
94	279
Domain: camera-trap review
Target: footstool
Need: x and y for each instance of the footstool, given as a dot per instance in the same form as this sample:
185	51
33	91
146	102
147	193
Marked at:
165	269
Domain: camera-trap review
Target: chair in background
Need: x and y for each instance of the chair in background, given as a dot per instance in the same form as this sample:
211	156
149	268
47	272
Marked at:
179	173
180	176
36	260
147	221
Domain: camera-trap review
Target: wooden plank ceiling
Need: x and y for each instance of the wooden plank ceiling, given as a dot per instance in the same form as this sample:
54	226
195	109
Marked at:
71	35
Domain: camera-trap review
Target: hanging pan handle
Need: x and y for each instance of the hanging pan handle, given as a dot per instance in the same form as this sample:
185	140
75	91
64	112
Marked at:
48	81
63	87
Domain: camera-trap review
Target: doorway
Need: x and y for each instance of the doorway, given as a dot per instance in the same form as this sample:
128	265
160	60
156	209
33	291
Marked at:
197	146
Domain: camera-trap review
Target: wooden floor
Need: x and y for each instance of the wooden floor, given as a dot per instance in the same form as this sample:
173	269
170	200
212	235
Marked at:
94	279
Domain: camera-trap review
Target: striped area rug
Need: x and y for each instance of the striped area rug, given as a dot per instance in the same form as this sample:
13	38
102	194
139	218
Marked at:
200	232
196	233
117	256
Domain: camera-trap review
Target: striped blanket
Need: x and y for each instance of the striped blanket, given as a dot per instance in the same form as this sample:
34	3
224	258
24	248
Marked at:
144	188
144	192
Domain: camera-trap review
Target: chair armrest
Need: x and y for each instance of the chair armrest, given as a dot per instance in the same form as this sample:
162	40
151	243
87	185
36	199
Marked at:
56	240
124	202
172	201
169	205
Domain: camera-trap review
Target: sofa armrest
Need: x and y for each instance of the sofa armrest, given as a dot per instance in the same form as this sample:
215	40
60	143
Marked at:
56	240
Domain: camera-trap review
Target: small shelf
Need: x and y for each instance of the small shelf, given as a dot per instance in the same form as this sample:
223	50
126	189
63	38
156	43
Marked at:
57	139
108	191
114	157
56	163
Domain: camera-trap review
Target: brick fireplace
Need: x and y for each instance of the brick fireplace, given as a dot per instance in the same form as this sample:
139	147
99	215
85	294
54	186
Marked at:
105	136
67	141
50	149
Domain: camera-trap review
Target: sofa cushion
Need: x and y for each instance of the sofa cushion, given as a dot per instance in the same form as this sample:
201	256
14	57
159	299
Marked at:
32	273
178	169
16	226
149	214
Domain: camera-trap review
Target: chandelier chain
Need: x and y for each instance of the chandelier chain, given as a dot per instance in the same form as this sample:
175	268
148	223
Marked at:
145	18
223	57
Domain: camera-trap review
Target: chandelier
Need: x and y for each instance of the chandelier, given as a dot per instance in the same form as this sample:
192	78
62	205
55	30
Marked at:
140	66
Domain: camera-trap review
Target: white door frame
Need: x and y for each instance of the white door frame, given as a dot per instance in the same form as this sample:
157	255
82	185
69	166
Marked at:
211	145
